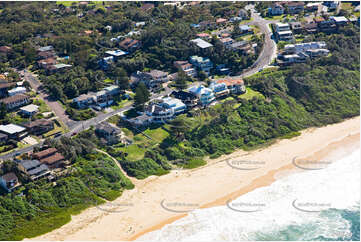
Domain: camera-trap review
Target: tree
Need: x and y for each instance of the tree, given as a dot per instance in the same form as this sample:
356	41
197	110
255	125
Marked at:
202	75
181	80
121	76
141	96
178	127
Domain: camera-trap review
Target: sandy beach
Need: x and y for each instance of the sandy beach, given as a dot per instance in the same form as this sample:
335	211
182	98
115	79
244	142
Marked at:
157	201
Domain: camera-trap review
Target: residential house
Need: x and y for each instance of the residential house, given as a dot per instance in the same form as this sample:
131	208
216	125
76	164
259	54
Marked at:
312	53
339	20
50	157
310	28
189	99
296	27
110	133
219	89
245	29
4	86
17	90
165	109
147	6
204	95
285	36
222	69
280	27
3	138
205	25
294	7
15	101
332	5
276	9
152	79
139	24
300	57
175	104
204	36
327	26
296	48
112	90
221	21
116	54
201	43
226	42
105	62
234	85
29	110
130	45
9	181
33	168
186	67
13	131
45	63
39	126
46	55
141	120
5	49
103	99
202	63
243	14
312	7
235	19
46	48
57	67
84	100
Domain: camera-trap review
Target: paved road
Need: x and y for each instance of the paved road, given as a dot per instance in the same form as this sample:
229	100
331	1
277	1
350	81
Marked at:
269	51
265	58
82	125
54	105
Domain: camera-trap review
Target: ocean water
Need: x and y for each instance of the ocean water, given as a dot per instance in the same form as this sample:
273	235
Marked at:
312	205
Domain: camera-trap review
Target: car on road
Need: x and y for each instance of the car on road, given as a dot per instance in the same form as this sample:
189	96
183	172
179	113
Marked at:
73	134
260	69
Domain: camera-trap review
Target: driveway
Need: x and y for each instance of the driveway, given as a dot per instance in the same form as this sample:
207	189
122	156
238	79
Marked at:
54	105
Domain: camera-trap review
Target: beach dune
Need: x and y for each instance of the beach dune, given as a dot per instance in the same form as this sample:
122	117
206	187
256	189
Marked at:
157	201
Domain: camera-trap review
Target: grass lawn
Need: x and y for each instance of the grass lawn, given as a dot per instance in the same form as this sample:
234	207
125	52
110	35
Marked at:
108	81
347	6
66	3
134	152
43	107
120	104
250	94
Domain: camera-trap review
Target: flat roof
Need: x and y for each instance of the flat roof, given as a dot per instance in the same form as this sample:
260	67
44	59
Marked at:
285	32
339	18
11	128
116	52
30	108
201	43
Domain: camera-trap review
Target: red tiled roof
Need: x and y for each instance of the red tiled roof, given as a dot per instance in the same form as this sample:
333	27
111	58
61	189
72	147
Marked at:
230	81
52	159
44	153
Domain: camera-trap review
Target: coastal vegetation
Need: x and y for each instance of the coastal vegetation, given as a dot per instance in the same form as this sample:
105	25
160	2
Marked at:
92	179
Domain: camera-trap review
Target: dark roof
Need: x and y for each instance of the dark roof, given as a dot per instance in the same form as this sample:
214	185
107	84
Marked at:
9	177
14	98
183	95
30	164
41	169
38	122
3	135
6	85
108	128
44	153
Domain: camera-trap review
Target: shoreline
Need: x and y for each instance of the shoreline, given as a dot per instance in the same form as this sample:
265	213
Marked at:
226	184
